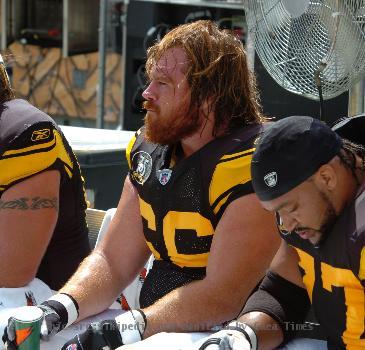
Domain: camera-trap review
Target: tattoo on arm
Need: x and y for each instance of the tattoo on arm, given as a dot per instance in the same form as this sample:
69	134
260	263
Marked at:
35	203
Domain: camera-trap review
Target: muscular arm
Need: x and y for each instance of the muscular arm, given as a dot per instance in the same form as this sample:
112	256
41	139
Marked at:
244	243
270	335
28	215
115	261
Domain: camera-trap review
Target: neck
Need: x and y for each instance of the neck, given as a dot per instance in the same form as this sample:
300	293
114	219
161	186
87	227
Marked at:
199	139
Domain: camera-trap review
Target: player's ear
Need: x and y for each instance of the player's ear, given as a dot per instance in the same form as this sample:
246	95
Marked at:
326	177
207	107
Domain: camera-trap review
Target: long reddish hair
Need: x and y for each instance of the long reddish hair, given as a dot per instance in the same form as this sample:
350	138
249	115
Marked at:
217	72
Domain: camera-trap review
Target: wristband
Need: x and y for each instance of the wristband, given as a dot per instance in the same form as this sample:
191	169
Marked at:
247	331
131	326
65	306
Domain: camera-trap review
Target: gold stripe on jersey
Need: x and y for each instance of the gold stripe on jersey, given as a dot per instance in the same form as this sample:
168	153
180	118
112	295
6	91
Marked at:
354	297
129	148
354	300
235	155
218	205
306	262
232	170
148	214
362	265
21	163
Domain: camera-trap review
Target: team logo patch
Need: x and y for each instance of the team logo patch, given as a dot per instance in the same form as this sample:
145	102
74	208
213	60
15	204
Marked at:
141	167
271	179
164	176
38	135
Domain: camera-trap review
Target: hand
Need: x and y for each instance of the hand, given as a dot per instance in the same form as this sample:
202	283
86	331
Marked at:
127	328
98	336
58	312
8	337
226	339
51	324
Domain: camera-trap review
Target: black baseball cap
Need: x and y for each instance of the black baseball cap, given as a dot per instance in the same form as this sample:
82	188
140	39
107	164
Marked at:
289	152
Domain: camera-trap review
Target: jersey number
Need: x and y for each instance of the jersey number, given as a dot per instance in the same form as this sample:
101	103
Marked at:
173	221
353	291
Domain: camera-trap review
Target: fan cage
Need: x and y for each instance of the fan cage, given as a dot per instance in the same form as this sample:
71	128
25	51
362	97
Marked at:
327	40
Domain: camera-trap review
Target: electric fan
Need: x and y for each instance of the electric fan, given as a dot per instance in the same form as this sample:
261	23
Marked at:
312	48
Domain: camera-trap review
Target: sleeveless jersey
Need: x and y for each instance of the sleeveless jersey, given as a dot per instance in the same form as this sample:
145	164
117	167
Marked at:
181	204
30	143
334	275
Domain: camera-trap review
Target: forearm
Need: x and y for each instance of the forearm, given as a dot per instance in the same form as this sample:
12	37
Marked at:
197	306
268	331
94	286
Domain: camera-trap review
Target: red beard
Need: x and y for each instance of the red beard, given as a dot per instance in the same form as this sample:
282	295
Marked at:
168	129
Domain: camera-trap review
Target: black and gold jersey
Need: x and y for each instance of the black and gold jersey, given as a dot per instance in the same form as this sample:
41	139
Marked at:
334	275
181	203
30	143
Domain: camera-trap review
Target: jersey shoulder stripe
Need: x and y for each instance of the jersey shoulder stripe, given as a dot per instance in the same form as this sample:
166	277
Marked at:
231	172
131	144
31	142
20	163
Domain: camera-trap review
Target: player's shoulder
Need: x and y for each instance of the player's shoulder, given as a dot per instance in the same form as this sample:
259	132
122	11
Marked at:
231	177
139	144
236	152
23	125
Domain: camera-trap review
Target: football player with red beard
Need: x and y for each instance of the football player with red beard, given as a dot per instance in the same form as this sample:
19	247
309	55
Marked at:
188	199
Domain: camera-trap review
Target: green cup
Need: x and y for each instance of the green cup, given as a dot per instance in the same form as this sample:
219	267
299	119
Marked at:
27	322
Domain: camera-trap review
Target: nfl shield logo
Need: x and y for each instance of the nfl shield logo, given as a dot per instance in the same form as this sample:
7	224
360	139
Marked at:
271	179
71	347
164	176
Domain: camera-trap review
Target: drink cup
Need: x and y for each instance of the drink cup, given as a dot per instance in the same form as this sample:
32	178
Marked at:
27	322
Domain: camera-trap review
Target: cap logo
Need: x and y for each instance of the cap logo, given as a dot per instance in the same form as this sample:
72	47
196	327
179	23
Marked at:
271	179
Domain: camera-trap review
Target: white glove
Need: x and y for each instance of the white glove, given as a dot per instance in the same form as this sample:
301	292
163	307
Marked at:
237	336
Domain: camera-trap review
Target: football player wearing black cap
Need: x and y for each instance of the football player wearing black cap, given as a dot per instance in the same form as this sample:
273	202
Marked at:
315	182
